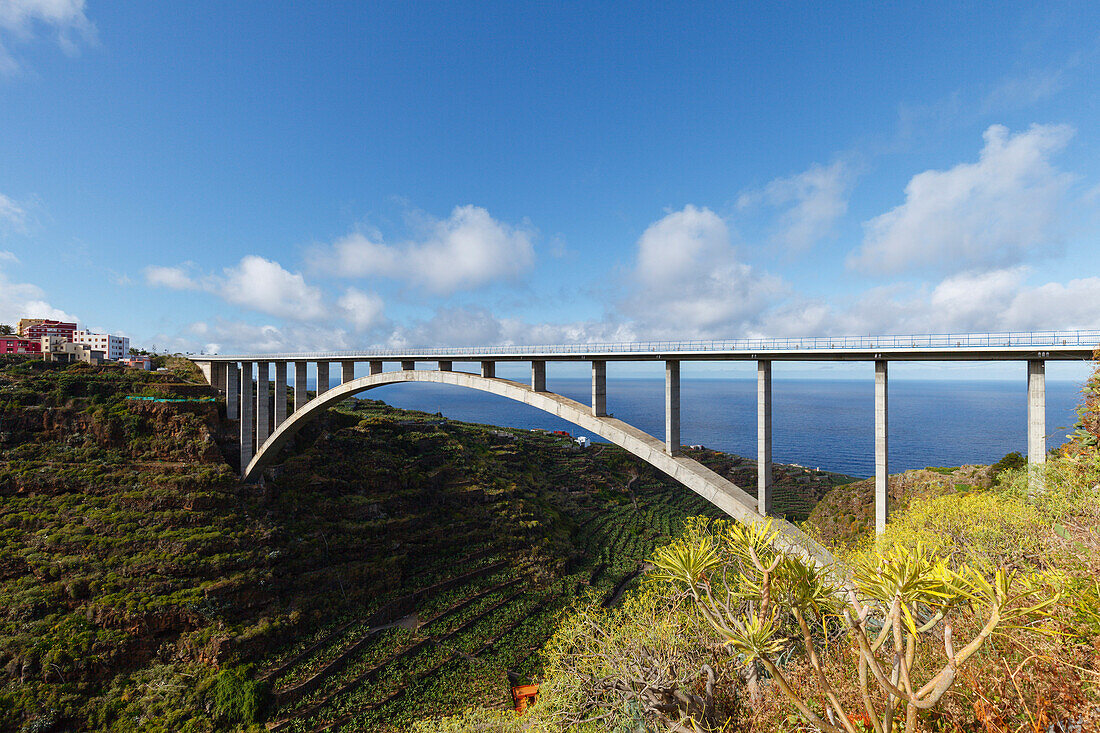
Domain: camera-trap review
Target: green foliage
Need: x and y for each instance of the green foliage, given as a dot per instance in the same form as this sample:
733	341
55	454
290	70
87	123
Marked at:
237	698
1012	461
997	528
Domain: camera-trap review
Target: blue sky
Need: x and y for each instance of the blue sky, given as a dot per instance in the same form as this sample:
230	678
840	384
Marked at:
239	176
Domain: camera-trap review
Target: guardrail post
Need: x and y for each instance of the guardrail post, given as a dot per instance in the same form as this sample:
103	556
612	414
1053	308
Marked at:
322	378
1036	424
599	388
882	468
232	390
489	369
263	401
538	376
280	393
301	386
672	408
246	414
764	437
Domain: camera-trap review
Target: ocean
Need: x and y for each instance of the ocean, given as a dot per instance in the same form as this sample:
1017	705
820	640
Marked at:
827	424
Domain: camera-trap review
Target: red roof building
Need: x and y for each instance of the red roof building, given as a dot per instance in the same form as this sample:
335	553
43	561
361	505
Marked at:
36	328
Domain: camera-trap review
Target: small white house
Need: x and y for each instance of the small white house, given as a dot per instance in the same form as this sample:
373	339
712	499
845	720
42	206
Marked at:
583	441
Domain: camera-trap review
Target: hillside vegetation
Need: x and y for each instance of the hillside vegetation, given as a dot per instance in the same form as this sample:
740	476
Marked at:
395	567
978	609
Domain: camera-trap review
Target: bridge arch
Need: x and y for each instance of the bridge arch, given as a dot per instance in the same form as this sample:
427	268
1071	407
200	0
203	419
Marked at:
719	491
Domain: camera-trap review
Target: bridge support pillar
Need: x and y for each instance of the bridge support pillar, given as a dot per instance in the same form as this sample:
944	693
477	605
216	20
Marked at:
232	390
445	366
489	369
882	446
599	388
1036	423
322	378
375	367
347	371
538	376
301	388
408	366
263	402
246	414
764	437
672	408
280	393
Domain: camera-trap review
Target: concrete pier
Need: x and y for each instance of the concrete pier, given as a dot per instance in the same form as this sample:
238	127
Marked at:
764	437
1036	423
246	413
882	446
672	408
301	390
408	366
375	367
445	366
263	402
322	378
347	371
232	390
599	388
280	393
538	376
489	369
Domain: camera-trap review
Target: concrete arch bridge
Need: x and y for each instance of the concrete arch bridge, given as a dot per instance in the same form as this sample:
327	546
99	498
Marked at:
267	423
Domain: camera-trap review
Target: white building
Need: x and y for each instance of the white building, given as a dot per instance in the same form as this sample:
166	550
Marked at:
583	441
113	347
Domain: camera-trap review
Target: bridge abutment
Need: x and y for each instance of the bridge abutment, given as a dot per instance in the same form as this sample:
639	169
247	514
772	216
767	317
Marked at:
672	408
764	474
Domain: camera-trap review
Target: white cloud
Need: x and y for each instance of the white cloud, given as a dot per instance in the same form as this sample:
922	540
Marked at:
12	214
813	202
983	215
254	283
264	286
21	20
689	283
6	256
24	300
175	278
226	336
362	310
993	301
467	250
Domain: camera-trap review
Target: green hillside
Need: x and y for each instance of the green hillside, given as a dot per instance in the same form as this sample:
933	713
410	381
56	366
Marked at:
395	565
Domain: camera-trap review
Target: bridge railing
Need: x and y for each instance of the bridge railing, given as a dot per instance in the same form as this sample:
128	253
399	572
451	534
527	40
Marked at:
947	341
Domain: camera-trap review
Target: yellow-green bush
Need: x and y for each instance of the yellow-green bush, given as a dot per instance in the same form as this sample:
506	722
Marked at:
981	526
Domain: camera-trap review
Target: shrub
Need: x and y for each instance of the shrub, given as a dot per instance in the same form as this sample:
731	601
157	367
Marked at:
238	699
